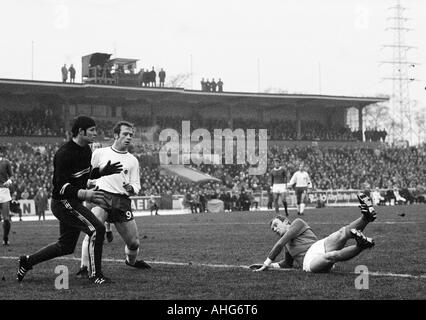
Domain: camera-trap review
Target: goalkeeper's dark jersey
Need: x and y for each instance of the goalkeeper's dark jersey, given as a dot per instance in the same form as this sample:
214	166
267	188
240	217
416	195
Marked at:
71	170
278	175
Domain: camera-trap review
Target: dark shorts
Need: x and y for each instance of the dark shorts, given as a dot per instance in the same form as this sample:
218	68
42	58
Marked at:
73	218
299	192
118	207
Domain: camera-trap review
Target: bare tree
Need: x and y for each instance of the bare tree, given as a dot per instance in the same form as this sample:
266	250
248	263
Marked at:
179	80
376	116
274	90
420	122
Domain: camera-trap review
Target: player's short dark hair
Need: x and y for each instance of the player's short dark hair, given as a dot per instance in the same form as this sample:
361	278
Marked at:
117	127
276	159
81	122
279	217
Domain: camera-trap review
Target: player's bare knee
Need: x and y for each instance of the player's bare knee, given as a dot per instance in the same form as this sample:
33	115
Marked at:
343	233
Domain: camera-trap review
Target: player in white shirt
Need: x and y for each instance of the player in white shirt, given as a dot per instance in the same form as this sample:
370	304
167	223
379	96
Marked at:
117	189
5	183
301	182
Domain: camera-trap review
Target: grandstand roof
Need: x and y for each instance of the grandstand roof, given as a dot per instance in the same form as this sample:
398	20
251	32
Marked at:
123	60
264	100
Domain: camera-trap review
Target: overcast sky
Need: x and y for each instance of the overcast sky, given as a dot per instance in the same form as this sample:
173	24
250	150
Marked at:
304	46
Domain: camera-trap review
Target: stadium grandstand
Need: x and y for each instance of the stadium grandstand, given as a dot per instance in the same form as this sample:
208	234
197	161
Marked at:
36	117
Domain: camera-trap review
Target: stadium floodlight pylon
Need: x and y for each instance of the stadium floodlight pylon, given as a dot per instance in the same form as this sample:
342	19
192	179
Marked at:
401	104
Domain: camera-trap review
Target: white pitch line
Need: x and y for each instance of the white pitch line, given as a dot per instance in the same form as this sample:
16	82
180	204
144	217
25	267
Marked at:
195	224
231	266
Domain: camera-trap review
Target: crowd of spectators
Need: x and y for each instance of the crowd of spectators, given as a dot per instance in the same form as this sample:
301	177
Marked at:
277	129
329	168
32	167
38	122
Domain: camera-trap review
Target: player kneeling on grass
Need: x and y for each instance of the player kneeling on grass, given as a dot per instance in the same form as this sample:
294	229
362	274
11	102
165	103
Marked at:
302	246
117	208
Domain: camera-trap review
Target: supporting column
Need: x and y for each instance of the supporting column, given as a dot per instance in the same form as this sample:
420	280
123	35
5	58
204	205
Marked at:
230	118
153	116
360	124
298	122
262	115
66	118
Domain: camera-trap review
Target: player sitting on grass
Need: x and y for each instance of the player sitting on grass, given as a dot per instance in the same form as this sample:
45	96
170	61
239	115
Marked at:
301	245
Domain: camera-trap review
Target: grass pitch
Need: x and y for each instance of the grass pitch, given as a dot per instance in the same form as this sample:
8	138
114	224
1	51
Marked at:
203	257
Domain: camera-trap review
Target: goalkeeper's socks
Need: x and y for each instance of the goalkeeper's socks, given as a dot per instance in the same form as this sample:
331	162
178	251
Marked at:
277	209
85	251
285	207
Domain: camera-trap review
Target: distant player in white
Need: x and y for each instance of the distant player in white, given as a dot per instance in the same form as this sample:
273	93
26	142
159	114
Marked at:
301	182
117	189
5	183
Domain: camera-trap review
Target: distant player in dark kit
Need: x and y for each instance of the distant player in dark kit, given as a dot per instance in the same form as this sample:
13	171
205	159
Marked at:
278	181
71	171
5	198
303	250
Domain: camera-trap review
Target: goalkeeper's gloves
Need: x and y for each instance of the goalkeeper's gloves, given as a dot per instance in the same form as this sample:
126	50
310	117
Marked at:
91	195
111	168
